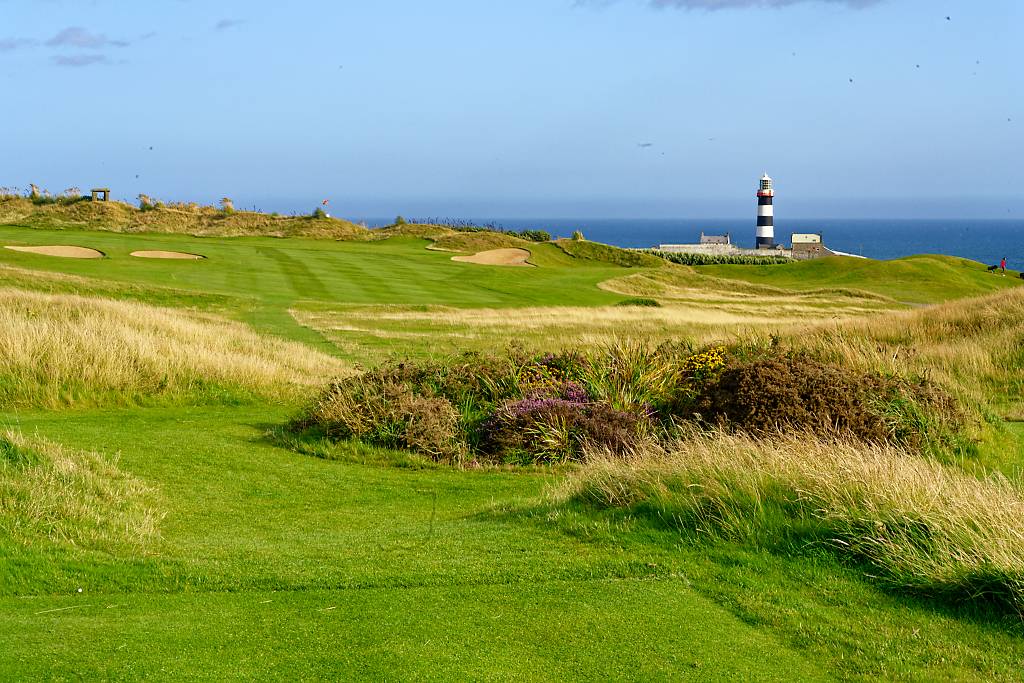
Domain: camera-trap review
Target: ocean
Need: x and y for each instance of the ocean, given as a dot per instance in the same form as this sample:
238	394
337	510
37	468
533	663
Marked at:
984	240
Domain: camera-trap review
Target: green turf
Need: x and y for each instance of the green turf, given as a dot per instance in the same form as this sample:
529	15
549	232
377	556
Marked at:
533	632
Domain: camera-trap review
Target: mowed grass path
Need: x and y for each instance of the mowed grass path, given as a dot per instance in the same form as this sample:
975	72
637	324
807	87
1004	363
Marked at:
279	565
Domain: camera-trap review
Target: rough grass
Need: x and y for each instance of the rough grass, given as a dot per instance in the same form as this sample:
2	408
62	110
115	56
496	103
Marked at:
62	349
918	525
62	496
963	342
365	332
973	348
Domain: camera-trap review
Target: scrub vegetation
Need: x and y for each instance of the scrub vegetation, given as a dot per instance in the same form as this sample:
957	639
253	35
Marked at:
784	471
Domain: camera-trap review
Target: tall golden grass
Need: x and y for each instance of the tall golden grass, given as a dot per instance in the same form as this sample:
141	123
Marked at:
60	349
72	497
974	347
919	525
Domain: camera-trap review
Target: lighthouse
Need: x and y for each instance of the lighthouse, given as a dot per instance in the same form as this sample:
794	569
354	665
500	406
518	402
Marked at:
765	215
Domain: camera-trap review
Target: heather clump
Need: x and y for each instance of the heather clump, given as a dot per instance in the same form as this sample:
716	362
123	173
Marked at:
770	395
555	429
503	408
765	390
518	408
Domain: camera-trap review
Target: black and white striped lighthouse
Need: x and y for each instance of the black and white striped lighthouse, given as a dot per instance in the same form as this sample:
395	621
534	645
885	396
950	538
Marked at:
765	214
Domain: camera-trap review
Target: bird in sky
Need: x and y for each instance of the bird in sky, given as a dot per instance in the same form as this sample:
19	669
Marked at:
645	145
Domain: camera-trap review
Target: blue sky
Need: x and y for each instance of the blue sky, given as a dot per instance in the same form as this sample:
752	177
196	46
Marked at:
529	108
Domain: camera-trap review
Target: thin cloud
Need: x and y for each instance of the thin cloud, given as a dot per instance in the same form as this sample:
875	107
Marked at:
711	5
9	44
76	36
225	24
730	4
80	60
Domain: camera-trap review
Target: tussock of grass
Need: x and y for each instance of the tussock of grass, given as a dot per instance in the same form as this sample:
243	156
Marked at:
919	525
68	497
62	349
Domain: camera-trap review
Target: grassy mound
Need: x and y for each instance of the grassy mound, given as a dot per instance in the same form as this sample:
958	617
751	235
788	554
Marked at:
914	279
472	242
595	251
424	230
62	349
188	219
57	495
918	525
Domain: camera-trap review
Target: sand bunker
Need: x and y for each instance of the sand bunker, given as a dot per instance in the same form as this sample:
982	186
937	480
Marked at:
61	250
497	257
167	254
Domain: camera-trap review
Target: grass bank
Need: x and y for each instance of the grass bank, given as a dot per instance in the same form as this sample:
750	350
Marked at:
60	350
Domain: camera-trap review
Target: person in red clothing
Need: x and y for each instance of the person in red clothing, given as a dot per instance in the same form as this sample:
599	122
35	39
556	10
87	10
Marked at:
1002	266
